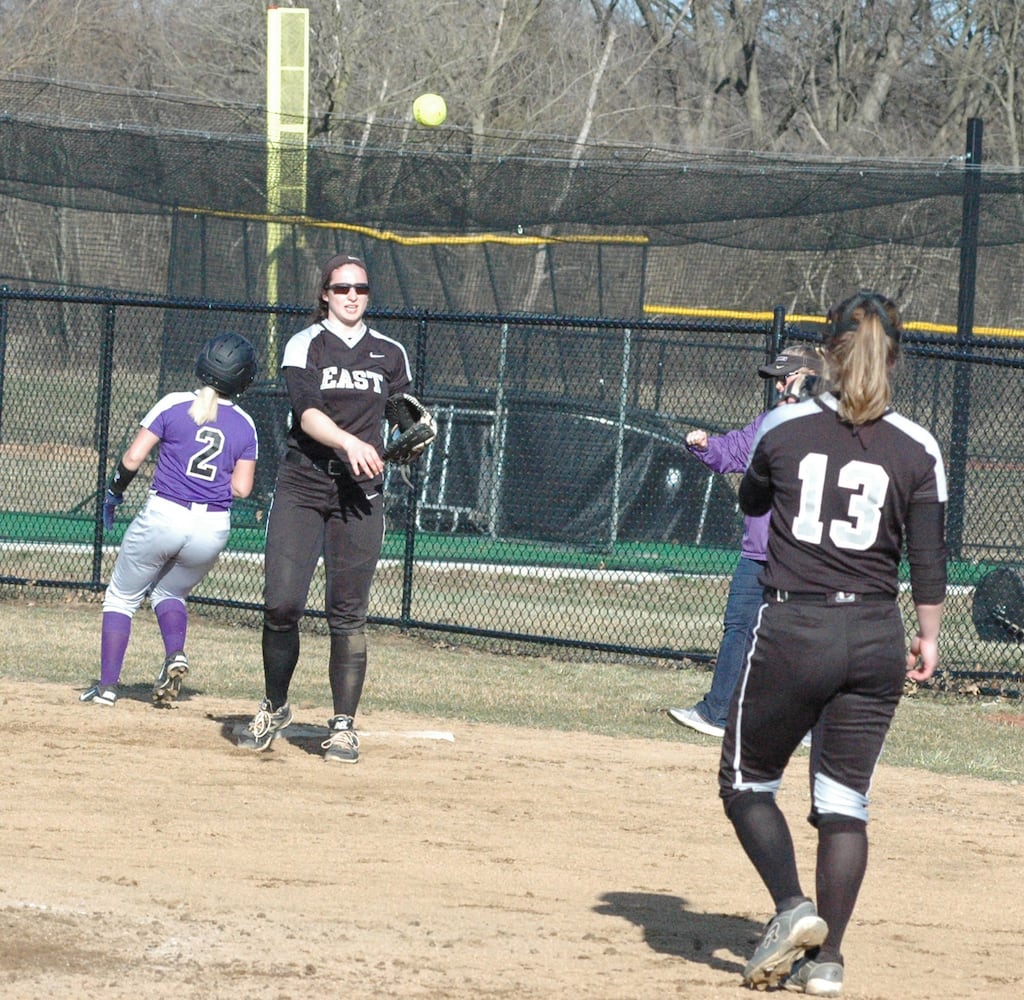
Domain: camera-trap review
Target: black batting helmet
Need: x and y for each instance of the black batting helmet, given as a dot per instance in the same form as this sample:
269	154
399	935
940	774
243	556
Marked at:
227	362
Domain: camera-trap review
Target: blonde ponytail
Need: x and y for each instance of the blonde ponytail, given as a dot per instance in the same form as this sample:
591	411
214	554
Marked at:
204	409
861	350
862	377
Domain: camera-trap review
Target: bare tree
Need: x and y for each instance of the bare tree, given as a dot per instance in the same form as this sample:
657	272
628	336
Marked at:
843	77
35	35
992	55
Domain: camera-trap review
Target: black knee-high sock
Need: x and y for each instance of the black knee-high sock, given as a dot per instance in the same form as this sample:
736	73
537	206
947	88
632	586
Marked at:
347	671
764	834
842	862
280	656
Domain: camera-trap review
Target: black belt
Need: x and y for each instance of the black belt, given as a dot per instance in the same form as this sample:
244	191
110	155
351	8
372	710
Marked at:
333	467
837	597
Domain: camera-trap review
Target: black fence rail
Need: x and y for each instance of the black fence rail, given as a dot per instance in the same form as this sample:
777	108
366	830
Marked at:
558	506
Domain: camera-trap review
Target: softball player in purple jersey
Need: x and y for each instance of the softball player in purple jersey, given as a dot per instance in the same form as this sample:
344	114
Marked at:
847	481
328	501
208	452
730	452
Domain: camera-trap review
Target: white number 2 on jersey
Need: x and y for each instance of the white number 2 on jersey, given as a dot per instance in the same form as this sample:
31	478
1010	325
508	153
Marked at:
860	532
200	464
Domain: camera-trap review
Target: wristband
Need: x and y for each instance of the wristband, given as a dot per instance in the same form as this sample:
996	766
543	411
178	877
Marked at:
120	479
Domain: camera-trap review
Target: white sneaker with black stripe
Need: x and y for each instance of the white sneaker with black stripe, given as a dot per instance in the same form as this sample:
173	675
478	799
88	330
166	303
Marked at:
100	694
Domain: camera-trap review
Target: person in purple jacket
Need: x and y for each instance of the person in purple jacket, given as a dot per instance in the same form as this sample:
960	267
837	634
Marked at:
207	458
729	453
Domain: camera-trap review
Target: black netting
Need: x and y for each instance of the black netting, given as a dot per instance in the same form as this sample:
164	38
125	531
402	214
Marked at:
154	195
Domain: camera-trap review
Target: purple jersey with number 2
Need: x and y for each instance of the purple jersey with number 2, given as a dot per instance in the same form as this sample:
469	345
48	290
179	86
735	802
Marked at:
196	461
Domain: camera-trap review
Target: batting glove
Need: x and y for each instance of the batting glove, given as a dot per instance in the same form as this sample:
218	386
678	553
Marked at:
110	504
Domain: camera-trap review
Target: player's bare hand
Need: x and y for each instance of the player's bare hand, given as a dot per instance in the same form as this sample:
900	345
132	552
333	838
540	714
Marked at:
364	458
698	440
922	658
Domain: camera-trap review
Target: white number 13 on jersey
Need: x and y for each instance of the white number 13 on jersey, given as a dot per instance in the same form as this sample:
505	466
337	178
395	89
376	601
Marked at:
871	481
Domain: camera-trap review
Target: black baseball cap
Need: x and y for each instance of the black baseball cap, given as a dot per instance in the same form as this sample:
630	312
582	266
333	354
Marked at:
786	364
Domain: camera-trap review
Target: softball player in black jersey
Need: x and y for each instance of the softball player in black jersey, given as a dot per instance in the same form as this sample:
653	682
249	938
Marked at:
847	482
328	501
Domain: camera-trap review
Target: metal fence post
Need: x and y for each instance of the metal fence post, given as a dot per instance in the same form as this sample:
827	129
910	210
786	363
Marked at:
773	348
498	439
620	442
3	352
101	434
960	425
411	511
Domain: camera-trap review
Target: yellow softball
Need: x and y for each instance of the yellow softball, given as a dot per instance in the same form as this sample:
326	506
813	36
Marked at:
429	109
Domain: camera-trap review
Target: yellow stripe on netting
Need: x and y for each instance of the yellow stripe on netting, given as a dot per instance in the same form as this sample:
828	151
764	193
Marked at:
983	331
659	310
387	235
709	313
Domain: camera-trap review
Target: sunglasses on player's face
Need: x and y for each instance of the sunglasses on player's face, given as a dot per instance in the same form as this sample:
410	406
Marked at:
343	288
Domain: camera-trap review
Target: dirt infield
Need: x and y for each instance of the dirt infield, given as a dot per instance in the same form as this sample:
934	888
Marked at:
144	855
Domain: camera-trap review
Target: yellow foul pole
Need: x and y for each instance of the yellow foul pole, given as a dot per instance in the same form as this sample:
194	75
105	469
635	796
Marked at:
287	131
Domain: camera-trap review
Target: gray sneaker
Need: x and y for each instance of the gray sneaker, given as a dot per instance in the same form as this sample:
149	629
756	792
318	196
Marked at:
168	681
786	937
265	725
100	694
342	745
692	718
816	979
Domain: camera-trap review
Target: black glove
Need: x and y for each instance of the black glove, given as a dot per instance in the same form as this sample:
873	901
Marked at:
110	504
415	428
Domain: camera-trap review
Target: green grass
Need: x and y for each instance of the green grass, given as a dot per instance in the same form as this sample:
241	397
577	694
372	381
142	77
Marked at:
465	681
677	611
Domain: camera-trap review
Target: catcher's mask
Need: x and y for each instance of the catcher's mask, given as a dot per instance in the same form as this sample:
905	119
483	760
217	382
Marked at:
227	362
841	318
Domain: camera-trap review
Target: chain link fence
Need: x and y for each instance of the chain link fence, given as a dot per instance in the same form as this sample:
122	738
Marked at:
558	506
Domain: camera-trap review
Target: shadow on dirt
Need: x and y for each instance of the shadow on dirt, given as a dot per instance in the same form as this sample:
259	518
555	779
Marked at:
671	929
306	737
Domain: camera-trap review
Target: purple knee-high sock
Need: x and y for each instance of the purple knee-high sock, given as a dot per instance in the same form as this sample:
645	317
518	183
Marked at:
172	618
116	630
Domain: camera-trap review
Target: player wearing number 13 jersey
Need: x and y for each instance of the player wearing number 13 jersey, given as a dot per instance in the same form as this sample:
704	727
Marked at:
845	497
848	483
